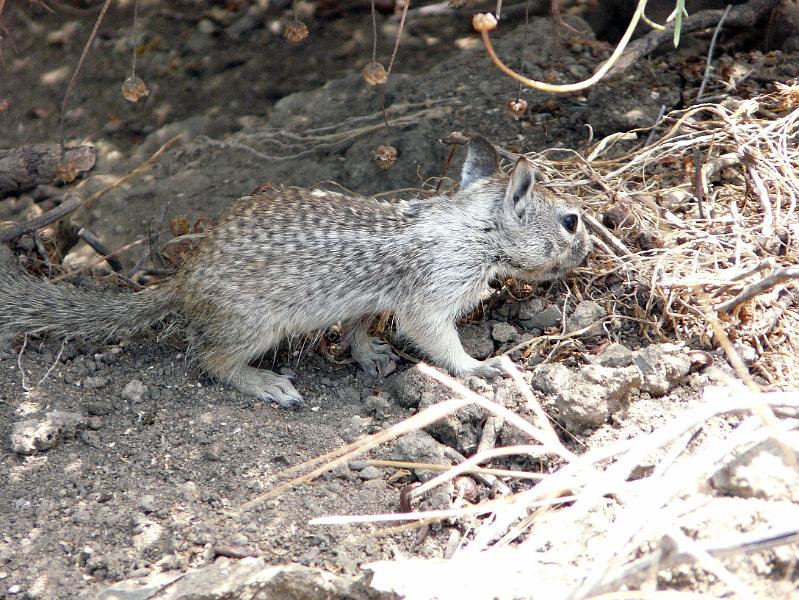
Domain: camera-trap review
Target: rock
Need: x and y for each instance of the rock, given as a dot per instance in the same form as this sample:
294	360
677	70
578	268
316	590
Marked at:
245	578
745	351
134	391
370	472
407	387
419	446
96	382
533	315
586	313
146	503
615	355
99	408
587	397
356	428
506	311
377	406
476	340
206	27
460	430
39	435
663	366
530	308
90	439
763	471
504	332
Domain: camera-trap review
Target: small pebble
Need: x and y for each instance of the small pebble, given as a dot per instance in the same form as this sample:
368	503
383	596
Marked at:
147	503
504	332
134	391
96	382
370	472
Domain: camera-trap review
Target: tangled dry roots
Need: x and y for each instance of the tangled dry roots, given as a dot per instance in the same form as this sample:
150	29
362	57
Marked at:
702	229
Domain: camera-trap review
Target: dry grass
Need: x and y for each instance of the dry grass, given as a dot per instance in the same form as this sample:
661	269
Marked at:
706	226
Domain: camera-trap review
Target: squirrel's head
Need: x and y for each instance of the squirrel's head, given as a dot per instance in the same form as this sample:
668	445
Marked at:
538	237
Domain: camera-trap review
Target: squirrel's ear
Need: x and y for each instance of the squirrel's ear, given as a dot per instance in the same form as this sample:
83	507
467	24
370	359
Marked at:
520	186
481	161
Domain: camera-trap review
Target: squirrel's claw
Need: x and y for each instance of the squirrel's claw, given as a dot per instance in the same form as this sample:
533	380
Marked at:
281	390
375	357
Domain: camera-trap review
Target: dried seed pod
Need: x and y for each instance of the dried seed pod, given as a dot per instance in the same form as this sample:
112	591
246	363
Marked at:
484	22
518	106
616	216
466	488
295	31
179	225
375	74
700	360
67	172
385	157
134	89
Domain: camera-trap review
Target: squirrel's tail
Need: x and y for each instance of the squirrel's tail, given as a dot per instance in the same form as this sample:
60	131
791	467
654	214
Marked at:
32	305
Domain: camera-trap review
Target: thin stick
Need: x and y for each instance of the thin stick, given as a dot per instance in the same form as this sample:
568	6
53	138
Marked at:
53	365
134	37
374	32
473	509
101	249
72	79
401	464
71	202
708	66
119	250
709	563
606	236
40	249
472	462
767	228
19	362
698	187
489	480
397	41
651	135
754	289
124	179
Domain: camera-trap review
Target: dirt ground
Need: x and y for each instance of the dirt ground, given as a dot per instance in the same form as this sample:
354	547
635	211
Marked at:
151	457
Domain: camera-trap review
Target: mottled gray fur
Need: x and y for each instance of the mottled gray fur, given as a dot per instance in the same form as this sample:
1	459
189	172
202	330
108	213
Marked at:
289	261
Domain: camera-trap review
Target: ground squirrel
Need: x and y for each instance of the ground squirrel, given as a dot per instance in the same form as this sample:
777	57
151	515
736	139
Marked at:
289	261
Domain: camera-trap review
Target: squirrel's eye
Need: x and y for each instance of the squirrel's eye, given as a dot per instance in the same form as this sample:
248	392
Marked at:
570	222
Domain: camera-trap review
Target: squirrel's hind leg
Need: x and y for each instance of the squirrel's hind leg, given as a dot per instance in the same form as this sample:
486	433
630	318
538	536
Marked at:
231	366
374	356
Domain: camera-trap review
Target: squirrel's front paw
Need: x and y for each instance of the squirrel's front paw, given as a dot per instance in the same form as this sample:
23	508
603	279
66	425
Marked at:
487	369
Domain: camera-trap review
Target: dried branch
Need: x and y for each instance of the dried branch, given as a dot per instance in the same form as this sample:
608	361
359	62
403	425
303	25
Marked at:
770	281
71	202
101	249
